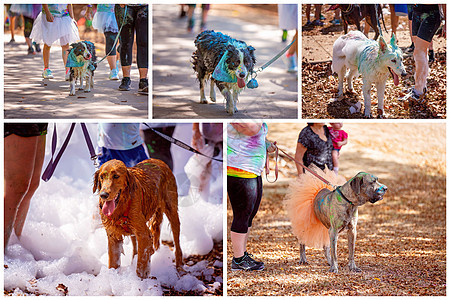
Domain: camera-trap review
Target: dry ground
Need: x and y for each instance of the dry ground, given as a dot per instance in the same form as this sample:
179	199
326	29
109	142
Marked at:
319	86
401	244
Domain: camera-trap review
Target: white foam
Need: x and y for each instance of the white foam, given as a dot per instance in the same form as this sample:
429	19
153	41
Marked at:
63	242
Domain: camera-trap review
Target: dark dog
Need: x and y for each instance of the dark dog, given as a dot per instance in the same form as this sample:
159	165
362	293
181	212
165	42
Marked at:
131	197
353	14
82	63
319	214
227	62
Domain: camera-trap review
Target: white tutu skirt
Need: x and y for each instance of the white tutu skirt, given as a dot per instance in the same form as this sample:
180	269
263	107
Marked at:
61	31
104	22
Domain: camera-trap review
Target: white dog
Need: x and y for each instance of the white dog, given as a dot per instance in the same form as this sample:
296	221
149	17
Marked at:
373	60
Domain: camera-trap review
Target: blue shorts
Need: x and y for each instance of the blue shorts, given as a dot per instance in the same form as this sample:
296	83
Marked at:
130	157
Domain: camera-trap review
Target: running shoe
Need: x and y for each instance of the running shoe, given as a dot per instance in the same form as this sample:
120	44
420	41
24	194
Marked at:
143	85
114	74
246	263
47	74
125	85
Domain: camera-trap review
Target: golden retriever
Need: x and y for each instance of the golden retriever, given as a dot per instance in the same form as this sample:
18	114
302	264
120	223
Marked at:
131	197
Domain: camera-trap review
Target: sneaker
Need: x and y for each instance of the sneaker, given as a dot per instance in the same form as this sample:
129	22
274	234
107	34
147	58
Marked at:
67	76
246	263
12	41
336	22
413	96
37	47
308	23
143	85
31	51
292	64
126	84
410	48
114	74
47	74
317	23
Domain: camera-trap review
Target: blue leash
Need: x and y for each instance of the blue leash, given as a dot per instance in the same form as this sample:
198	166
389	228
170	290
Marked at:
253	83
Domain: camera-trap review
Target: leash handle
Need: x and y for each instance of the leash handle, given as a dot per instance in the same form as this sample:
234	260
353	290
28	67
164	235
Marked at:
276	164
181	144
53	163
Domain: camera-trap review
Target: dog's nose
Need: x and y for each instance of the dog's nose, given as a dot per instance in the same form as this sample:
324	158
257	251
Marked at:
104	195
241	75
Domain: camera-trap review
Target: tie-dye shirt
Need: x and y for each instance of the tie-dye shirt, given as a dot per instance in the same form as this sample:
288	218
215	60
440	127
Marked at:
247	153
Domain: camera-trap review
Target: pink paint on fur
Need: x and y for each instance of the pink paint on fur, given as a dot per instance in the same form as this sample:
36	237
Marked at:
300	207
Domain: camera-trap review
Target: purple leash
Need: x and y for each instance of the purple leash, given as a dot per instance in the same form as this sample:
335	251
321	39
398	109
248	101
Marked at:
54	162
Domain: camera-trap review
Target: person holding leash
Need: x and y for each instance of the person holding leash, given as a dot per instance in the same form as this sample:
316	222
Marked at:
247	148
314	146
426	19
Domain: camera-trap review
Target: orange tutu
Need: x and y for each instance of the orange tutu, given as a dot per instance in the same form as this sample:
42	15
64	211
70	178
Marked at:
300	206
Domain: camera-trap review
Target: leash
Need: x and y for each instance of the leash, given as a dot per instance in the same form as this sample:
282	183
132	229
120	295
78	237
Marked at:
118	35
299	163
50	169
181	144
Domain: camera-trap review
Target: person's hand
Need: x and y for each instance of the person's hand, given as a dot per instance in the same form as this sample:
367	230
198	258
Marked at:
272	147
49	17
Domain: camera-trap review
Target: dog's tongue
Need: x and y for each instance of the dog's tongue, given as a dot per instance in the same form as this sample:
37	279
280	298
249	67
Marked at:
241	82
108	208
394	76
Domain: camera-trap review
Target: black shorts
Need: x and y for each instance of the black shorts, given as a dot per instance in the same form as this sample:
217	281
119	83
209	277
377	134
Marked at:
26	129
245	197
425	24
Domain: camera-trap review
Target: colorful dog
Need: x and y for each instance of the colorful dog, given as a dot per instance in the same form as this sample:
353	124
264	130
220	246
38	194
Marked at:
131	197
373	60
227	62
82	63
318	213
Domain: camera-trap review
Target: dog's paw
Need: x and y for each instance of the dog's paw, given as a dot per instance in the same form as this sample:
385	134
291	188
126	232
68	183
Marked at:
212	99
303	262
334	269
87	91
71	94
355	269
203	101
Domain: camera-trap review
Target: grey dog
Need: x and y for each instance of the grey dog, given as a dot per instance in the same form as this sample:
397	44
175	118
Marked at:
338	210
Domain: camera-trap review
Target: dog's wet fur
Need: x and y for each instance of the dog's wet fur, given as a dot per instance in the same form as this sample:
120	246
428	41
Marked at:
84	52
211	46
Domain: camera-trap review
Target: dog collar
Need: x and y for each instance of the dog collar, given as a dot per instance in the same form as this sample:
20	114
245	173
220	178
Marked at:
343	196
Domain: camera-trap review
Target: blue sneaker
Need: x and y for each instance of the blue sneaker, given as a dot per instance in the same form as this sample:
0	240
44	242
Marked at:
47	74
114	74
292	64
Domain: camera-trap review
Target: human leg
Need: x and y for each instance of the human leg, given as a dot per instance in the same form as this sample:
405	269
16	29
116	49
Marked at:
34	184
20	153
335	157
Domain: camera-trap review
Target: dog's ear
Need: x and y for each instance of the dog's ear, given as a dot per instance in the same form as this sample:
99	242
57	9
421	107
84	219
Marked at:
73	45
382	43
393	41
356	183
97	183
131	183
251	50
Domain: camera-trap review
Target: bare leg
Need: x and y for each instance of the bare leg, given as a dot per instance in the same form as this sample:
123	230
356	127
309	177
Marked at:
46	55
111	61
65	54
238	243
143	73
19	162
34	184
421	63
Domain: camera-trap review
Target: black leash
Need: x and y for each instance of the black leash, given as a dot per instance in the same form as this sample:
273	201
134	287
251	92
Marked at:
54	161
181	144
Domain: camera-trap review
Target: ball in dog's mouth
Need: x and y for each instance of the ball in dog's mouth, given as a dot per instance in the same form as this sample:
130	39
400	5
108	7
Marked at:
394	76
109	206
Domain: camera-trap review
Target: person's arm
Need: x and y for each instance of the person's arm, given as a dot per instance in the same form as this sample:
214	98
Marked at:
48	14
299	153
70	7
270	146
248	129
197	141
342	143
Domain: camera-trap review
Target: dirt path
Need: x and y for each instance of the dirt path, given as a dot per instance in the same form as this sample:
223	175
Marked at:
28	96
319	87
401	244
175	88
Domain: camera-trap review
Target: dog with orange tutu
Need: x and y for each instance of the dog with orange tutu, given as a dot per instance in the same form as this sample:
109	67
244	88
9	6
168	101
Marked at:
318	211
